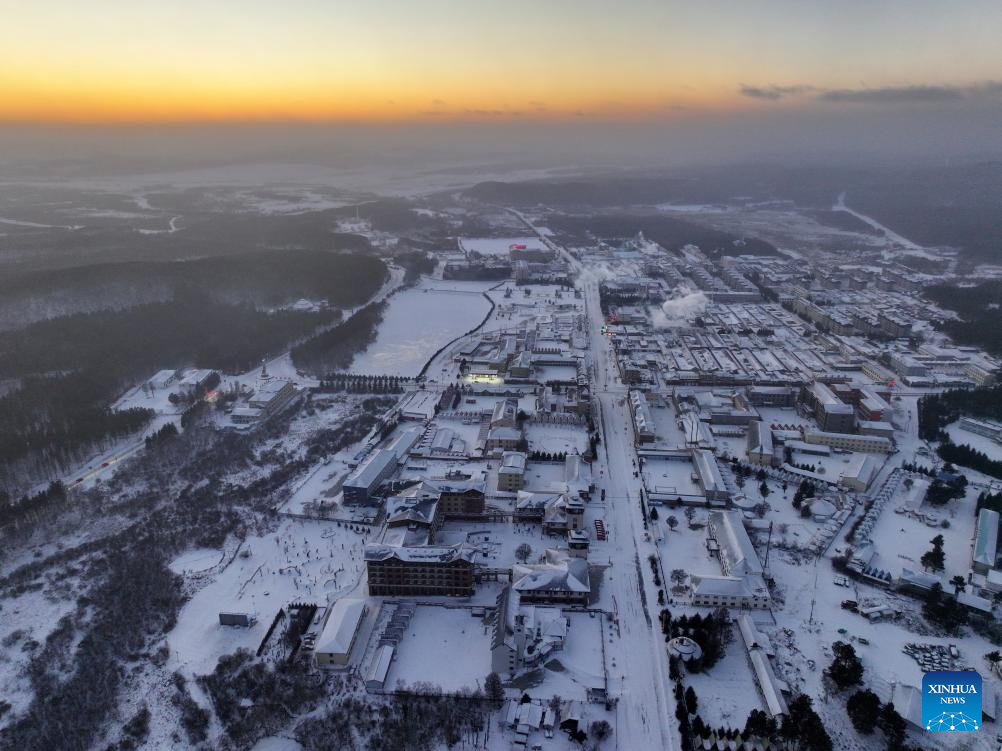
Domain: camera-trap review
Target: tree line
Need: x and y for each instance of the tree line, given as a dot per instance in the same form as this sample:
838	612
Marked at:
335	348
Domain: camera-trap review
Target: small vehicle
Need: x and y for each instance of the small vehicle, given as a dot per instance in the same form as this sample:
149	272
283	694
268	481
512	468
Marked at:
105	464
850	605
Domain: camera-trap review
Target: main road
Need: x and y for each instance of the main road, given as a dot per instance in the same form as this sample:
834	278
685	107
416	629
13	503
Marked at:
639	678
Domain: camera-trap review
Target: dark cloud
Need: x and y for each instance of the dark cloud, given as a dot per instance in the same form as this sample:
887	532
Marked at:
882	95
774	93
897	95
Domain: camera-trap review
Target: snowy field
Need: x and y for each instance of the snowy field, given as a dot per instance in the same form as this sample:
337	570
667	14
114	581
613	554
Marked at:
560	439
430	649
975	441
669	476
727	692
302	561
417	322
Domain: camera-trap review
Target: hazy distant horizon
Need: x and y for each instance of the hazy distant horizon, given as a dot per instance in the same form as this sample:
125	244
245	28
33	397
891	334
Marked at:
64	151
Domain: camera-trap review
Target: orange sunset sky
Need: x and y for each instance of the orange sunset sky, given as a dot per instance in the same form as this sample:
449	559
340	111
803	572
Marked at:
441	60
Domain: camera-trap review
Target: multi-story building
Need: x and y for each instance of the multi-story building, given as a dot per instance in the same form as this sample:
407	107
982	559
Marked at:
511	473
561	579
743	582
501	439
460	498
771	396
868	444
830	412
643	421
426	570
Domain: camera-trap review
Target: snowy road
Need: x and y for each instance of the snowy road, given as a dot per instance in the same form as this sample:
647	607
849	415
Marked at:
638	661
646	717
890	234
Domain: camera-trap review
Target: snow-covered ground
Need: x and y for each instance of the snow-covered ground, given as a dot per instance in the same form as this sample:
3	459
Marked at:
434	639
419	321
302	561
979	442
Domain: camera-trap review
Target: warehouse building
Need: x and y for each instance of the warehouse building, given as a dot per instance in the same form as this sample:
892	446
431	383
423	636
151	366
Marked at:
360	485
986	539
708	475
334	645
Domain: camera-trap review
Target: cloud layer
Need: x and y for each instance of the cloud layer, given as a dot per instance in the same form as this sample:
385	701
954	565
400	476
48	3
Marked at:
890	95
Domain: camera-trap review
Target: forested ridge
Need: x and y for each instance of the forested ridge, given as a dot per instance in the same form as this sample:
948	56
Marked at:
70	368
980	311
265	279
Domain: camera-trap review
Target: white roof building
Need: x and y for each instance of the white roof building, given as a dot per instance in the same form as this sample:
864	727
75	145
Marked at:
986	541
560	578
375	679
334	644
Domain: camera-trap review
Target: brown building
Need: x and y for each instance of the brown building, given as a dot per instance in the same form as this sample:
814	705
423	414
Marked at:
426	570
460	498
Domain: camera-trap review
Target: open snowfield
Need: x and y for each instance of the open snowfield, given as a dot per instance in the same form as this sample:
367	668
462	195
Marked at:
563	439
444	646
727	691
417	322
670	477
901	539
979	442
301	561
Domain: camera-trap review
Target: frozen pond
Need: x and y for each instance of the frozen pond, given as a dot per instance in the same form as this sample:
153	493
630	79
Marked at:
418	322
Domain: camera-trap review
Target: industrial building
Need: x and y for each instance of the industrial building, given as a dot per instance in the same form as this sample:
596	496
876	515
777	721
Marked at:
368	476
708	475
986	540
